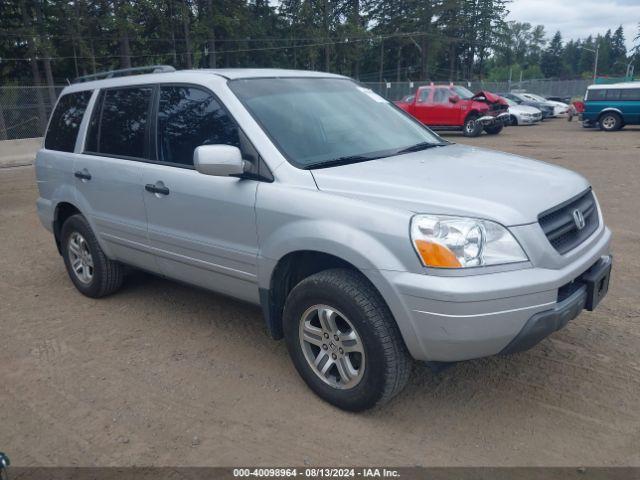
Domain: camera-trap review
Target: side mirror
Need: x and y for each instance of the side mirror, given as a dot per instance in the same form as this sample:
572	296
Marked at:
454	98
218	160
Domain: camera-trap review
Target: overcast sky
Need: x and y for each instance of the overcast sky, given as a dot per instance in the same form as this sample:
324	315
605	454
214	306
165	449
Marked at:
579	18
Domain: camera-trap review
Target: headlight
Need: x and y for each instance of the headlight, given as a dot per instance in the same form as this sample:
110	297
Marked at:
458	242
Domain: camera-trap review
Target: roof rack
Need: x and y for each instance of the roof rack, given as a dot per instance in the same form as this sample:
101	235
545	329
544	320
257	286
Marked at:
124	72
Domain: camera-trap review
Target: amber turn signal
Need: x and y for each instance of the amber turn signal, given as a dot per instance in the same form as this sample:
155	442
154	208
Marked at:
436	255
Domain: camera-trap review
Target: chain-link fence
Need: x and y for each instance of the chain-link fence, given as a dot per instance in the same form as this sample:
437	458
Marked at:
24	111
546	88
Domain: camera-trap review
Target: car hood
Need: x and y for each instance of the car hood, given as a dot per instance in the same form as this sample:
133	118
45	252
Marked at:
558	104
523	109
488	97
457	180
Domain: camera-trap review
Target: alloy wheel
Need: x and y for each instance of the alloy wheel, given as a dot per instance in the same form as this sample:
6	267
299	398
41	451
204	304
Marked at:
80	258
332	346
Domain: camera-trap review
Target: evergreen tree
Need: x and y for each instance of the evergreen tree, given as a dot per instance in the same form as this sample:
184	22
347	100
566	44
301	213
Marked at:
551	61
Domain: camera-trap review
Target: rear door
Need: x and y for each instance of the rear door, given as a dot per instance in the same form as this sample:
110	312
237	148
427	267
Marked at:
108	175
201	228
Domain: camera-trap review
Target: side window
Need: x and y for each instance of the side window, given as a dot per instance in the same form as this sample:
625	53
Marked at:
441	95
424	95
187	118
630	94
119	123
598	94
65	121
613	95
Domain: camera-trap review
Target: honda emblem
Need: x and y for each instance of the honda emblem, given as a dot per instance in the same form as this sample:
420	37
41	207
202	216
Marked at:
578	219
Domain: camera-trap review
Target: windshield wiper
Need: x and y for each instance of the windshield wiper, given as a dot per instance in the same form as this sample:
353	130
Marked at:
342	161
419	146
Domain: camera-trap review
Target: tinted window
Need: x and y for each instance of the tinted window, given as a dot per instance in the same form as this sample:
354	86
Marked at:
613	95
187	118
599	94
91	141
630	94
65	121
120	128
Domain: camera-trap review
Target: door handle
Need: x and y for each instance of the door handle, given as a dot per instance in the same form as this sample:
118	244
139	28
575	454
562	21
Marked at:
158	189
83	174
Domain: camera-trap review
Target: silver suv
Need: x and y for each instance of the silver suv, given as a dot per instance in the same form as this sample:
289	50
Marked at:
366	238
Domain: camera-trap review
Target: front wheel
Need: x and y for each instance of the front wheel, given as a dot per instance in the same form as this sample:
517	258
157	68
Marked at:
610	122
344	341
493	129
472	127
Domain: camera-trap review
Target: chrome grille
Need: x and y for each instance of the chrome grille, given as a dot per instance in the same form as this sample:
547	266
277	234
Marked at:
561	226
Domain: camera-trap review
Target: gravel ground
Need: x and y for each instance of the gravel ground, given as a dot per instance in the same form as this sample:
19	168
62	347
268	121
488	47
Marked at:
164	374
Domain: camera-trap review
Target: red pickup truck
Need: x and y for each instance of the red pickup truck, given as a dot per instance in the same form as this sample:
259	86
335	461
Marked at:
452	107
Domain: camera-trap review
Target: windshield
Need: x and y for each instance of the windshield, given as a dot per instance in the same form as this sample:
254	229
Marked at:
316	121
537	98
511	102
463	93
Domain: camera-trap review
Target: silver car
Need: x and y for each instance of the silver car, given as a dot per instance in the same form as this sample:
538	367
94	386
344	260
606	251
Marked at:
367	239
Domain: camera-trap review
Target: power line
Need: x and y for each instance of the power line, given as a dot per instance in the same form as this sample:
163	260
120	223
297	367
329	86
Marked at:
247	50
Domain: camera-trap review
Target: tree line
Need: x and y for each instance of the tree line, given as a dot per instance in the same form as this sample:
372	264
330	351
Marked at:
46	42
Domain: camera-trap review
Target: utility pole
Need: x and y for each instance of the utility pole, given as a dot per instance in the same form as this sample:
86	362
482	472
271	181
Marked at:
381	58
595	66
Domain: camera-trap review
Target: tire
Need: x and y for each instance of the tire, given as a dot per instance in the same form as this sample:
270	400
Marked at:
95	275
471	127
363	324
610	122
494	129
513	120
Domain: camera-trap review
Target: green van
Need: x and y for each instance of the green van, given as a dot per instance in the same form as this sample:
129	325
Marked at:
612	106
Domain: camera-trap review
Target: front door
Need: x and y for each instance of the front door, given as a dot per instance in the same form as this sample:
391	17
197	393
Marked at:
423	106
202	228
444	112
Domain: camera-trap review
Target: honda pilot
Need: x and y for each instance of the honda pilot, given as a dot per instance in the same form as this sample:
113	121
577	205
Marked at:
367	240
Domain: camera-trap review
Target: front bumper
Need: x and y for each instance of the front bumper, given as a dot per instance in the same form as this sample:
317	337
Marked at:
522	120
583	293
454	318
493	120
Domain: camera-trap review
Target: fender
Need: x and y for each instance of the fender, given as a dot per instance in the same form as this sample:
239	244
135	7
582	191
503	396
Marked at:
80	202
611	109
352	245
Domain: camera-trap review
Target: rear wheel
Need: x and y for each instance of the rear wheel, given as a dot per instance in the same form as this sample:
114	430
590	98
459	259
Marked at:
493	129
513	120
472	128
344	341
93	274
610	122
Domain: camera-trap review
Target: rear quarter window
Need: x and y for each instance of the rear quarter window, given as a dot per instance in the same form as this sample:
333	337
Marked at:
597	94
65	121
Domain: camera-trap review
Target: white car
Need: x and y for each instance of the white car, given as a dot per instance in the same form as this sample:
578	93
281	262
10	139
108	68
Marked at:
523	114
559	108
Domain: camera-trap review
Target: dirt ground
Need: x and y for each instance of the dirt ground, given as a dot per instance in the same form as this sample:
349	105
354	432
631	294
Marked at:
164	374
